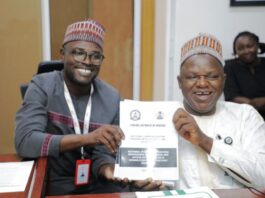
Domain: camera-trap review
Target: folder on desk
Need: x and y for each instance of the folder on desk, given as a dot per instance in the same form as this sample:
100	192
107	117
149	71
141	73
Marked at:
14	176
200	192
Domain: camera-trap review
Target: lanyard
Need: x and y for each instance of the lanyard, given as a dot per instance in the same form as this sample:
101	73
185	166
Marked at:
74	116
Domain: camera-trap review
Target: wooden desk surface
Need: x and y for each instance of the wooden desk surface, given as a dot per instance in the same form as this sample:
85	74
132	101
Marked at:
36	180
222	193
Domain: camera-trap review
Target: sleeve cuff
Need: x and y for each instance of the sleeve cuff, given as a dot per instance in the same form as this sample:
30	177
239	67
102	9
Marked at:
51	145
223	154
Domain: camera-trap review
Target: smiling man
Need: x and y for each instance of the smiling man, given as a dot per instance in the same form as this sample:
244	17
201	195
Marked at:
72	117
217	137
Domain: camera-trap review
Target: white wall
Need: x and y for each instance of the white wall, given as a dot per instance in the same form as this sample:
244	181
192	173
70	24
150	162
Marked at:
164	52
160	49
215	17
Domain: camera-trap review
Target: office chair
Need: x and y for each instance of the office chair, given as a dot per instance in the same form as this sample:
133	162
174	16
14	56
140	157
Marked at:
43	67
48	66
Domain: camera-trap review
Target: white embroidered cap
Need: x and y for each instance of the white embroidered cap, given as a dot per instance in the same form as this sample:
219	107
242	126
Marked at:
87	30
202	44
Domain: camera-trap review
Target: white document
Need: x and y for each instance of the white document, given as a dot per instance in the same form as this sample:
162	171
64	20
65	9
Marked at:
150	148
200	192
14	176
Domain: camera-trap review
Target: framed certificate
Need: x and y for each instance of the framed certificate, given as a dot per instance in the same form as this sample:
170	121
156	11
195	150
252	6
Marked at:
247	2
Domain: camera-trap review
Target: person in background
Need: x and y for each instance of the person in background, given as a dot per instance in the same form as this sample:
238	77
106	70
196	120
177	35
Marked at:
245	74
72	117
221	144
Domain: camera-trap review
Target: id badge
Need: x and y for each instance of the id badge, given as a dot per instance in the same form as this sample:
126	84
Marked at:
82	172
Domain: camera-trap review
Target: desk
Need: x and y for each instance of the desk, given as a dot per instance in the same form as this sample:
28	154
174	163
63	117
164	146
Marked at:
222	193
35	184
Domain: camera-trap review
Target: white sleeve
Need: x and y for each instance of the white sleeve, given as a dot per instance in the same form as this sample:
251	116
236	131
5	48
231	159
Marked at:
247	158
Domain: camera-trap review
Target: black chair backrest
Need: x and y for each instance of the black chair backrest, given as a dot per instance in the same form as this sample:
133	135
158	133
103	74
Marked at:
48	66
43	67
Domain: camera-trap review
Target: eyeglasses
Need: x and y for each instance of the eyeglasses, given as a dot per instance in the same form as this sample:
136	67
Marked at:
79	55
197	78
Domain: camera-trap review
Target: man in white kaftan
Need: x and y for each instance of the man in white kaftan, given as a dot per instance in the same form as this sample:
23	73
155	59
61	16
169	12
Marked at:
222	144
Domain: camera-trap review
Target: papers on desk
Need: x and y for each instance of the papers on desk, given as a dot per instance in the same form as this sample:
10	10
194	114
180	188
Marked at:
14	176
150	148
201	192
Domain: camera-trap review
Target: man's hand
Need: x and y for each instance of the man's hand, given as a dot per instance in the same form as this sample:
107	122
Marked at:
107	172
146	185
108	135
187	127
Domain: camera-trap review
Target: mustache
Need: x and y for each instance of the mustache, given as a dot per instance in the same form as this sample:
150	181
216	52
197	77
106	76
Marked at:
87	65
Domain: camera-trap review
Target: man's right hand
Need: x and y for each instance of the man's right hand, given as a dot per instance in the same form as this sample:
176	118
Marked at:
187	127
